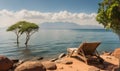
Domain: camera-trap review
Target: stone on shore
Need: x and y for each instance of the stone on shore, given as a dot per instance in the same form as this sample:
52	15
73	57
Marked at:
116	53
5	63
93	69
31	66
106	53
53	60
49	65
61	55
67	62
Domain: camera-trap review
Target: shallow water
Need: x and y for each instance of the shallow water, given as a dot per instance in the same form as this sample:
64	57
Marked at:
50	43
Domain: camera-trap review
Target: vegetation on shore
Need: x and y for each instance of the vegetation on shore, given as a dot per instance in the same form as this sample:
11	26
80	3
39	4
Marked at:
109	15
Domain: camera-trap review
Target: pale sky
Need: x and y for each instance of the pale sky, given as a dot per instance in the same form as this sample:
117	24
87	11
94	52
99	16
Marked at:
82	12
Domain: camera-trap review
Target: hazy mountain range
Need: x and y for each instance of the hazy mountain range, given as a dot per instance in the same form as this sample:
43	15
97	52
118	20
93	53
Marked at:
61	25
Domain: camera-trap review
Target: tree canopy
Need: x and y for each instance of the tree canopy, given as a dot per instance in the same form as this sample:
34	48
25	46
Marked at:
16	29
109	15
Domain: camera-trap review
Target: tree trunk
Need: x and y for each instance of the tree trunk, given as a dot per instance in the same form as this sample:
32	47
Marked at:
27	39
17	39
118	35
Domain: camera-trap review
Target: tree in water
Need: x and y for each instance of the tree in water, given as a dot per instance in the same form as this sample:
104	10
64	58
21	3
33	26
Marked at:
23	27
16	29
29	29
109	15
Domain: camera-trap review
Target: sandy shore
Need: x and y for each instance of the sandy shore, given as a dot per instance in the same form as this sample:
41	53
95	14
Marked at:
110	63
65	63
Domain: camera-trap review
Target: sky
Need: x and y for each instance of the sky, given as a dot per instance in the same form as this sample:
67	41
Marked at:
82	12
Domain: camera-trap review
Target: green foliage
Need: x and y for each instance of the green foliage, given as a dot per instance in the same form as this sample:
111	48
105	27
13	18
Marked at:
13	27
109	15
28	27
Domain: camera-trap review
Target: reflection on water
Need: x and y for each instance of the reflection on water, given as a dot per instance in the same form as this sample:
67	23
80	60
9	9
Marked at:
26	52
50	43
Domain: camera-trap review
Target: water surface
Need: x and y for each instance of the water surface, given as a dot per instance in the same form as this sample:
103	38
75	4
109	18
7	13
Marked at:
50	43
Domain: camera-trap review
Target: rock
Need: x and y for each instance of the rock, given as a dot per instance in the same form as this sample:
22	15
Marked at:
37	58
49	65
106	53
5	63
53	60
116	53
67	62
31	66
58	61
93	69
116	69
61	68
61	55
15	60
17	64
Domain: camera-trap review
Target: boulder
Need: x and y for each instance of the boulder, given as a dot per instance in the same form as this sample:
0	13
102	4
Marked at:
5	63
116	53
50	65
31	66
16	64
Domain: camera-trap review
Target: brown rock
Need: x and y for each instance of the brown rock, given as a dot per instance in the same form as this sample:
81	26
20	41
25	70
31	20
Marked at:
93	69
67	62
50	65
5	63
116	53
116	69
107	53
31	66
54	59
61	55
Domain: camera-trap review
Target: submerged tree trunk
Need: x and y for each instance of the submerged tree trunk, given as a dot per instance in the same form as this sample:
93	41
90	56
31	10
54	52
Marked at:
118	35
17	39
27	39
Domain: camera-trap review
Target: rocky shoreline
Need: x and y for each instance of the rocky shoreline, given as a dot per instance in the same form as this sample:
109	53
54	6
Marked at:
61	63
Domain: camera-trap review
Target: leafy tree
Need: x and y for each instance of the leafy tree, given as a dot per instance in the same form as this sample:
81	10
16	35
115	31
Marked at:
109	15
29	29
16	29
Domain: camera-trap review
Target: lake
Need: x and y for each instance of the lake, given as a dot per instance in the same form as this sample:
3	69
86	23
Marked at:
49	43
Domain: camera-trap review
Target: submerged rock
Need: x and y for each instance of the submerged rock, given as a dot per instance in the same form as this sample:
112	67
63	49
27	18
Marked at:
31	66
5	63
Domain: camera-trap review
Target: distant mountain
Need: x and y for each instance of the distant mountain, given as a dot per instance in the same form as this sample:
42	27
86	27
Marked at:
61	25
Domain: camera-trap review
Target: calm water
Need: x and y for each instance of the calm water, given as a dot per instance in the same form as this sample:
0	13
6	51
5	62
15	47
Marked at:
50	43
